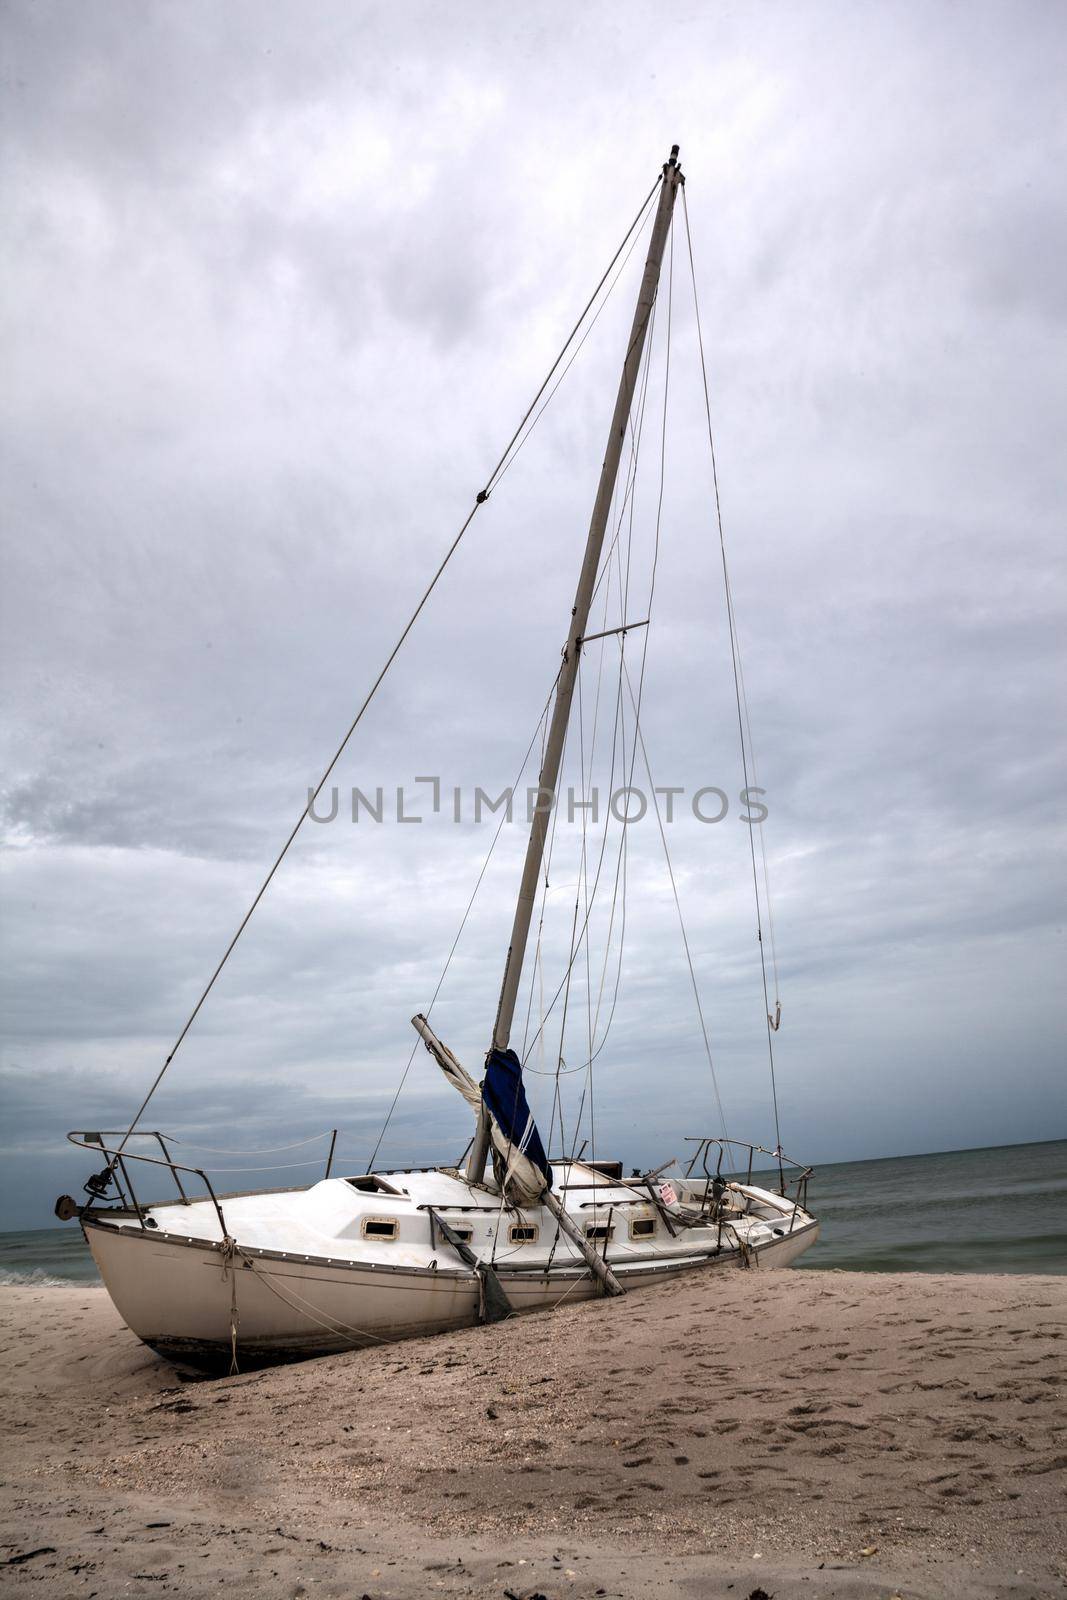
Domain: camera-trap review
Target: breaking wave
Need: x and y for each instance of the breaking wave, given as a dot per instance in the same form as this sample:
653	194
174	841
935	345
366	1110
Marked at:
33	1278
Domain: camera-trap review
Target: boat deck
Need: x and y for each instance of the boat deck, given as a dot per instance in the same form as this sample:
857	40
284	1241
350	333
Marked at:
385	1218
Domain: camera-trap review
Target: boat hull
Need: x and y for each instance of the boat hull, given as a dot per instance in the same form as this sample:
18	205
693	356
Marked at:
197	1302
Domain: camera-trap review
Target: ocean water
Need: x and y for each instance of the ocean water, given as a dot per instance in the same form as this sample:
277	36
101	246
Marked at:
45	1257
998	1210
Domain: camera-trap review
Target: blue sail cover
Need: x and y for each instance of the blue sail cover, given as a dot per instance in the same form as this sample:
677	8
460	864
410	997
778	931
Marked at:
505	1098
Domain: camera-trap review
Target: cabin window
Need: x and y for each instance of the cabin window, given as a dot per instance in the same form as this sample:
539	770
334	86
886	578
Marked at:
642	1227
523	1233
379	1227
599	1230
465	1235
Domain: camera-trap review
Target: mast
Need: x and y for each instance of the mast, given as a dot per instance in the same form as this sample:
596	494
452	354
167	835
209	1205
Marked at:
553	757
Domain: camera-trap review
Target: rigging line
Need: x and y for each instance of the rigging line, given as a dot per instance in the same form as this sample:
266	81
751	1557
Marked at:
479	502
306	1307
681	918
624	857
604	633
620	873
636	434
619	718
651	595
296	828
621	864
629	499
611	923
588	982
580	886
547	864
535	971
644	654
735	656
277	1149
592	324
463	923
497	470
762	837
630	479
652	585
629	484
666	385
588	782
570	968
600	862
662	483
631	496
588	952
621	861
274	1166
635	450
624	597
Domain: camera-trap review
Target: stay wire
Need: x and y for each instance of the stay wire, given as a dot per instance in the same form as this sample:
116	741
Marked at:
681	922
642	217
546	1014
622	637
588	1091
463	923
635	451
735	657
482	497
498	470
644	652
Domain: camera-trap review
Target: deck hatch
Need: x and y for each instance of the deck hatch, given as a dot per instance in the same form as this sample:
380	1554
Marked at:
370	1183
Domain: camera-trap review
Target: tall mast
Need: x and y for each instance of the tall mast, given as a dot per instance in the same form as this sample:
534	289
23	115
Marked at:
557	731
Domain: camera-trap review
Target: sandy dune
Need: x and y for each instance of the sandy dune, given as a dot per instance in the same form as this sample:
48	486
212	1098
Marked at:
807	1434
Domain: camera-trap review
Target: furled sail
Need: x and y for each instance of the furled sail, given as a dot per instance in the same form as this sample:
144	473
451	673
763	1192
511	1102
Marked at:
516	1141
518	1155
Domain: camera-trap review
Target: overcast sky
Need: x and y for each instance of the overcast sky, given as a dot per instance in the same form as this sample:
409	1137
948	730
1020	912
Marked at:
280	281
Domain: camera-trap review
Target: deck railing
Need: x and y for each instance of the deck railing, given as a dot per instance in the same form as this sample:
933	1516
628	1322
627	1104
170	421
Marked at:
121	1158
796	1180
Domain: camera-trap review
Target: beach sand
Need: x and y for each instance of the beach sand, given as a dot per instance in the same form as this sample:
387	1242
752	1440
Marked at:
800	1433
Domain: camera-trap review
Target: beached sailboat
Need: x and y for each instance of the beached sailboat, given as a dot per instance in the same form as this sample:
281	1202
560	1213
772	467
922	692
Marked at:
351	1260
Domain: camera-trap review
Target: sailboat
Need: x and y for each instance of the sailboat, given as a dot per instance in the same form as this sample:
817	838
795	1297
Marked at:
350	1260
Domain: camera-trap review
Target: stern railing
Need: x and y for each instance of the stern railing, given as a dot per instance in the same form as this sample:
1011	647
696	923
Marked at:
796	1180
120	1159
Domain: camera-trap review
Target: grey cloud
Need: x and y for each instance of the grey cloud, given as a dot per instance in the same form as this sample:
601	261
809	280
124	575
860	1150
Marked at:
281	283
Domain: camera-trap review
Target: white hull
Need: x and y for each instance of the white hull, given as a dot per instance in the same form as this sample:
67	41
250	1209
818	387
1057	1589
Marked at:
196	1298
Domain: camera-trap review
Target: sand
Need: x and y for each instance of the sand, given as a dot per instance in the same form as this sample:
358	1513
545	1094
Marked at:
800	1434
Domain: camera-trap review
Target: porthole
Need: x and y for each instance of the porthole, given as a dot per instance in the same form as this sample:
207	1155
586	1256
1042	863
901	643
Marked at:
642	1227
379	1227
523	1233
599	1231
